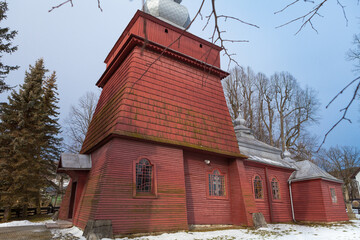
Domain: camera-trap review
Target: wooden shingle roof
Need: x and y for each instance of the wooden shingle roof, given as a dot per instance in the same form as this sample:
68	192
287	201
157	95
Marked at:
179	100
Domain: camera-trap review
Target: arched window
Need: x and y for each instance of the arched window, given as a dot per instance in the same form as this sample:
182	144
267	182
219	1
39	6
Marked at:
275	188
258	189
217	184
144	176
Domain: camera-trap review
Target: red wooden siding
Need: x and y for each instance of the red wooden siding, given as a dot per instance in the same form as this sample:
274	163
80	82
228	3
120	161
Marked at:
189	44
242	199
80	178
109	192
281	209
334	211
261	204
312	201
89	198
201	208
172	103
64	207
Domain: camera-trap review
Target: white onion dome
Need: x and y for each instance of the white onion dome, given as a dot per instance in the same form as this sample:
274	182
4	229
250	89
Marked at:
168	10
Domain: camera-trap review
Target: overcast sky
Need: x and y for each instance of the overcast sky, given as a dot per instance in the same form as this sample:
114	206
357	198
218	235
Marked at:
74	42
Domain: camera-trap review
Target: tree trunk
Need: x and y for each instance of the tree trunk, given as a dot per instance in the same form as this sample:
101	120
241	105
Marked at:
282	135
7	214
350	213
25	211
38	205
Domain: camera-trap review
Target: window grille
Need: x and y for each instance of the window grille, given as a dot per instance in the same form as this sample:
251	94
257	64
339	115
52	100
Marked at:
258	188
217	184
275	188
144	176
333	195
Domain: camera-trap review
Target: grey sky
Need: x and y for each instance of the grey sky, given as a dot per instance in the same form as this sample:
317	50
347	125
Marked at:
75	41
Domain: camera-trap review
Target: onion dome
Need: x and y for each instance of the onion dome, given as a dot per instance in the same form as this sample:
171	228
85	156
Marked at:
168	10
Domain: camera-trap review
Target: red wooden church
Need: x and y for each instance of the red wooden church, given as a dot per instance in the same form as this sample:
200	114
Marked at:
161	152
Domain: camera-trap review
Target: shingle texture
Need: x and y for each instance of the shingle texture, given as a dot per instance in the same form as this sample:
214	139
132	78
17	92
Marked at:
172	102
75	161
308	170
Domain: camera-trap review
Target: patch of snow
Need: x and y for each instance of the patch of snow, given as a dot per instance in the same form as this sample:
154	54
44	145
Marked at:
334	231
74	231
23	223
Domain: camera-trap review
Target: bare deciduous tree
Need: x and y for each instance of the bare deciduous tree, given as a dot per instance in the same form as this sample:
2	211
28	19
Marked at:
213	21
341	162
77	123
277	109
266	106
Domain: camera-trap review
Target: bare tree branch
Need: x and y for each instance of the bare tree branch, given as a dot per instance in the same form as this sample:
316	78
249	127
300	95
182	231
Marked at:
163	52
237	19
61	4
99	5
343	10
305	18
71	2
342	91
344	110
286	7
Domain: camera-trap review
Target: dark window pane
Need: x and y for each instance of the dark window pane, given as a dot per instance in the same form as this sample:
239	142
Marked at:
216	184
275	188
143	176
258	188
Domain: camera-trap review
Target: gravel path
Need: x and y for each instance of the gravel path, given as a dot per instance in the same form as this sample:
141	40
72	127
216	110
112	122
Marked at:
36	232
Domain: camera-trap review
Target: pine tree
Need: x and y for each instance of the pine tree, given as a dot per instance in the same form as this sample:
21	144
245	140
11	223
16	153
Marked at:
28	138
6	36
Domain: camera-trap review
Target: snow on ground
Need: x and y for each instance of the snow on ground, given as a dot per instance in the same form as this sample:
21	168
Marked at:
23	223
337	231
65	233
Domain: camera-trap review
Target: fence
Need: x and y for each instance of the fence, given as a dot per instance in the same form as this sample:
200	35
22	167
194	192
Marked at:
18	213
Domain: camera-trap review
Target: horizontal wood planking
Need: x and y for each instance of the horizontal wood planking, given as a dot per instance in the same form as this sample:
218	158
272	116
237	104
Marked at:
189	44
242	197
91	194
201	208
334	211
162	105
64	207
282	207
111	191
309	201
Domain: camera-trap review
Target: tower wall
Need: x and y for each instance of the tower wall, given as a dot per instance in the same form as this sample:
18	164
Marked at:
109	194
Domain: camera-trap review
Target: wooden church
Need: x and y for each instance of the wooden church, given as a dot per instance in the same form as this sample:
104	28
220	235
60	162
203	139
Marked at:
162	153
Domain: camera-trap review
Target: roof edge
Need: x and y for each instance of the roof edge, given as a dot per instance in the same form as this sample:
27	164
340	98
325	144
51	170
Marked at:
136	136
135	40
315	178
140	13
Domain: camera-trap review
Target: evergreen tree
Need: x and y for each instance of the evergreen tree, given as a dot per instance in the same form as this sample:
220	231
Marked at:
6	36
29	141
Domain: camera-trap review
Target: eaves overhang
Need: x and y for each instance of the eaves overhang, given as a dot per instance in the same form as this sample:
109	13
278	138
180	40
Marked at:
134	40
